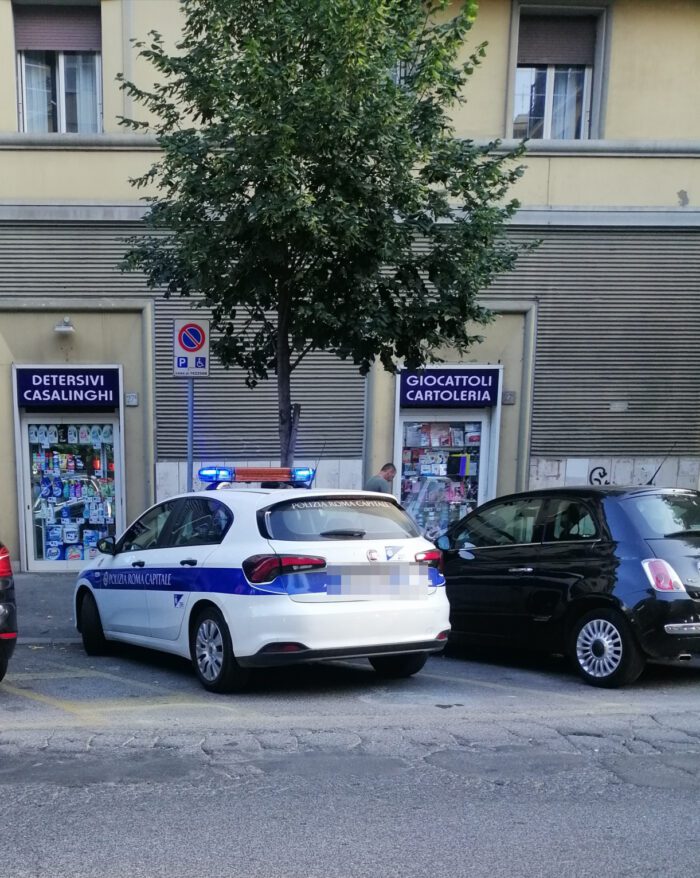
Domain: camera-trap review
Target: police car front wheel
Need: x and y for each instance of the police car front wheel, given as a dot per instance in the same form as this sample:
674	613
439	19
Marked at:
212	654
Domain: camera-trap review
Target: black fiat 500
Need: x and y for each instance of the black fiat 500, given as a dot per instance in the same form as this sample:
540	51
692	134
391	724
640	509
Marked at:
609	576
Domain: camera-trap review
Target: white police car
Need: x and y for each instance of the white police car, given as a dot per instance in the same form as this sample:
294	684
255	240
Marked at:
245	578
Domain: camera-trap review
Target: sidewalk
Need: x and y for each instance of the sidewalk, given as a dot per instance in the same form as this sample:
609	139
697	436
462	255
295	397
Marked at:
45	608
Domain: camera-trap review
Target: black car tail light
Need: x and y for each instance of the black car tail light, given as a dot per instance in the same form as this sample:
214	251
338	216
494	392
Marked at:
662	576
5	566
433	557
265	568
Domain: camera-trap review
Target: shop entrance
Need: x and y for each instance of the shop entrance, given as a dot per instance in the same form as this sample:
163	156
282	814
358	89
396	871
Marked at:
72	475
442	461
446	442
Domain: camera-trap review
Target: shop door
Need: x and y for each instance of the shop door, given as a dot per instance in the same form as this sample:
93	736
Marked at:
72	488
444	465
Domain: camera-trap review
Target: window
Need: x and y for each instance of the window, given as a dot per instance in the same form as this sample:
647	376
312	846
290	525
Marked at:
200	522
338	518
505	524
554	76
147	532
569	521
58	69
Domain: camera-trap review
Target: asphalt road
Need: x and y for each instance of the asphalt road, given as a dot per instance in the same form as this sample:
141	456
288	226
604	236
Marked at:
124	766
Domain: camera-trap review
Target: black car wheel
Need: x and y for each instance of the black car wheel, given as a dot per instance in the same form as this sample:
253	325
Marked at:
94	640
604	650
212	654
401	665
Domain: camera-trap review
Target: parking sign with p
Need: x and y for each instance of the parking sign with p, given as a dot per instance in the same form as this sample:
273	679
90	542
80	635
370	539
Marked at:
191	348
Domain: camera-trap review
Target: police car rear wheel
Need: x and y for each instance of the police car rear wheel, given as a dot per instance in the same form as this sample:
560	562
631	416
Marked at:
401	665
94	641
212	654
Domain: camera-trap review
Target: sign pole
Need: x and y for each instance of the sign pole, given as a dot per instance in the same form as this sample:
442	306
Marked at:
190	360
190	431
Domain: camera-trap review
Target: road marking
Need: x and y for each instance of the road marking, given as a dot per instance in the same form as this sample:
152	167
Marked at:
509	687
70	707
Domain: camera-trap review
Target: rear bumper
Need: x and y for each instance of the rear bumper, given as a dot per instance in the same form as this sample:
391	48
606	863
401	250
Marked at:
270	658
669	627
335	629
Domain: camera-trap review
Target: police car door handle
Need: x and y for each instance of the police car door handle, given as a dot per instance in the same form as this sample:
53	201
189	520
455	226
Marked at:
138	563
188	562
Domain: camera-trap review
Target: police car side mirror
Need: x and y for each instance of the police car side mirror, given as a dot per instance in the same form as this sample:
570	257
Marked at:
443	542
106	546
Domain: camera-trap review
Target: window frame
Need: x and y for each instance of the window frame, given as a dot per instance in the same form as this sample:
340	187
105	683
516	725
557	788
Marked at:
60	91
598	78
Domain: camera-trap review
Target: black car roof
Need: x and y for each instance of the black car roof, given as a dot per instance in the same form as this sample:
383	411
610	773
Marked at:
597	491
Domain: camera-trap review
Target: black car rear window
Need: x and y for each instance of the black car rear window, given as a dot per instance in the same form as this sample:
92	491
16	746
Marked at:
337	518
664	515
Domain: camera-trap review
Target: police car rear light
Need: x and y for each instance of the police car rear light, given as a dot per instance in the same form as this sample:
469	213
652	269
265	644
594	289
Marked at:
443	635
661	575
284	647
433	557
5	566
265	568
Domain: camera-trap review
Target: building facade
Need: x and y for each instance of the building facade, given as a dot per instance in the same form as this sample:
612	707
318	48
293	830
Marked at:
587	374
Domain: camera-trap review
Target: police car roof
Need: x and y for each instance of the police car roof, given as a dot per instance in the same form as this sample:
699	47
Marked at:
257	497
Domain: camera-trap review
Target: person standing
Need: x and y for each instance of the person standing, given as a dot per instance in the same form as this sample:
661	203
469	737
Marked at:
382	480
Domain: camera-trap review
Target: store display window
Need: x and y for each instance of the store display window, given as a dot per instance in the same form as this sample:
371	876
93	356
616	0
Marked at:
440	468
72	488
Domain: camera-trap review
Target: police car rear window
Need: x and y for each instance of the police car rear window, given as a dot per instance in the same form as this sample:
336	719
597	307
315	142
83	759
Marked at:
331	518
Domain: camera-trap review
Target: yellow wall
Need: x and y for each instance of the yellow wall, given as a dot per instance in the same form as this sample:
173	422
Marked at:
654	70
104	336
8	69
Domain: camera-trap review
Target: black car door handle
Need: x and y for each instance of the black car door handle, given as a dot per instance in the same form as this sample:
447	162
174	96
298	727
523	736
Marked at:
520	570
138	563
188	562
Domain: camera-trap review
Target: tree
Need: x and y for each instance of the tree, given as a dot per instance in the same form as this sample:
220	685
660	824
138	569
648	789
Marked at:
307	148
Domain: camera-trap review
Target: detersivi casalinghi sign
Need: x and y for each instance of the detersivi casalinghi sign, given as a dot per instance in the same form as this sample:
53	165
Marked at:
57	387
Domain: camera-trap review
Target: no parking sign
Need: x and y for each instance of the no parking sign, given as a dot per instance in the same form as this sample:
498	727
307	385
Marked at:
191	348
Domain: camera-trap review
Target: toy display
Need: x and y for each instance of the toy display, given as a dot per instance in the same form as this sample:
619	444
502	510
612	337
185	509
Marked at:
439	472
73	489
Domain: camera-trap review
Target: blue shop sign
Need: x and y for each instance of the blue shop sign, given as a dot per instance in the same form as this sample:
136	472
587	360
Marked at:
463	387
58	387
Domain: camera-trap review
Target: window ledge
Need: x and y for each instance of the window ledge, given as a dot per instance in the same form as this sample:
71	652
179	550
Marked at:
79	142
652	148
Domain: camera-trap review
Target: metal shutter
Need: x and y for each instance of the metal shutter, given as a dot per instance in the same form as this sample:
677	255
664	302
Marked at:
557	39
233	421
618	321
58	28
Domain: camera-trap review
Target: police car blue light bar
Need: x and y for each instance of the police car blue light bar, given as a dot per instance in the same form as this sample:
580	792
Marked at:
216	474
296	475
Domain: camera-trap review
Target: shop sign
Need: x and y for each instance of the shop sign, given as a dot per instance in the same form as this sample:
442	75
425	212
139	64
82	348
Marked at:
70	388
463	387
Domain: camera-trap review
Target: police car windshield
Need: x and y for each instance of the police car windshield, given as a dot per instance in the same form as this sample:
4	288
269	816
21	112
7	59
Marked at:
336	518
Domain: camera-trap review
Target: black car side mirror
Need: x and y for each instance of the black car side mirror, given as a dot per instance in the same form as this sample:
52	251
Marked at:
106	546
443	542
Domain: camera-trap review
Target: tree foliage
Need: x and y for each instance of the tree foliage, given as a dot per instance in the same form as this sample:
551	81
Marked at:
311	186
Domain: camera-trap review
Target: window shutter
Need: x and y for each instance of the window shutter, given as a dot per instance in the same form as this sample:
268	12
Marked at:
58	28
557	39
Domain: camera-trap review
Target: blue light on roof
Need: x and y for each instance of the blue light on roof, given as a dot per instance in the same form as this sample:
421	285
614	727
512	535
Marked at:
302	474
216	474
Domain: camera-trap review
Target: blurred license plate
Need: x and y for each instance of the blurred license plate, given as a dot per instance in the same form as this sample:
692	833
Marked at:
391	580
